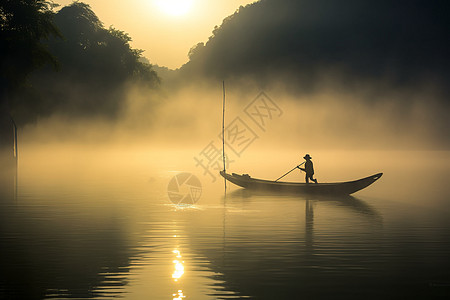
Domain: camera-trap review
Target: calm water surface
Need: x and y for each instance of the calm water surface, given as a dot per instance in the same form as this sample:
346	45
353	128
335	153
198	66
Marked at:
103	227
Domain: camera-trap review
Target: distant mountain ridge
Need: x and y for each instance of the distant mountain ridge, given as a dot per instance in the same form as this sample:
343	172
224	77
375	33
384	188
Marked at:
405	40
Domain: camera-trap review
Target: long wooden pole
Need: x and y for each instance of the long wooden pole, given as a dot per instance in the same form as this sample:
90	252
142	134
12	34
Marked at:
16	157
223	131
291	171
16	150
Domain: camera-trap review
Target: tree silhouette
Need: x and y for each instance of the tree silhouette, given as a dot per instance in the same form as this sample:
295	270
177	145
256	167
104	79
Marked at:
24	25
359	39
95	66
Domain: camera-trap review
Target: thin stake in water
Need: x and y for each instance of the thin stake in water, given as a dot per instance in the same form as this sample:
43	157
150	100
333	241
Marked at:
223	132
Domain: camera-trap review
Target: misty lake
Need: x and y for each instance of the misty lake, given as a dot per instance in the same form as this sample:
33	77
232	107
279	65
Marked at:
98	223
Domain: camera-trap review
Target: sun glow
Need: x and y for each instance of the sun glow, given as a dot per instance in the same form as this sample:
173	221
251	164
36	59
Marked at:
174	7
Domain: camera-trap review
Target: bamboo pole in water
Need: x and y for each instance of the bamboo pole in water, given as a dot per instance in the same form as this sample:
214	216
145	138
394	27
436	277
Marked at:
223	131
16	152
16	157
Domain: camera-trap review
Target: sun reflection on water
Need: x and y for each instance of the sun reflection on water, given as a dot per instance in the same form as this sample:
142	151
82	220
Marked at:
179	268
178	273
177	252
179	295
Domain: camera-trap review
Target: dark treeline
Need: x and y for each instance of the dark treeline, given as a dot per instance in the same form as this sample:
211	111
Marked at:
68	62
24	24
82	68
402	41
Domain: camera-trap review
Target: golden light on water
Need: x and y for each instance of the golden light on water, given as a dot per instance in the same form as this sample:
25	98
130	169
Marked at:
177	252
179	295
178	265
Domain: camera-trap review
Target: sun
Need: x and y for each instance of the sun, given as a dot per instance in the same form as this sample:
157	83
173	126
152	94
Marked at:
174	7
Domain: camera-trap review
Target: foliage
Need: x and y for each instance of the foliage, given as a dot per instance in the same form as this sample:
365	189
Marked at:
24	25
196	50
96	65
404	41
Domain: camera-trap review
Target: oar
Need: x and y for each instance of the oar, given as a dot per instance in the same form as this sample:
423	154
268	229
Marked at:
291	170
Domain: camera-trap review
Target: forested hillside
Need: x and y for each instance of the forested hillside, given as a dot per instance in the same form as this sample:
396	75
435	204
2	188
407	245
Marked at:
403	42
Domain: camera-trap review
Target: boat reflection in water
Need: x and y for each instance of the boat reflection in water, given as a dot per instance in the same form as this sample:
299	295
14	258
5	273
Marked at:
351	202
271	250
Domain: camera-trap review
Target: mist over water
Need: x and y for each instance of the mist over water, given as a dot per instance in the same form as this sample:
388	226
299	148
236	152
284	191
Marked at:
91	216
331	118
95	221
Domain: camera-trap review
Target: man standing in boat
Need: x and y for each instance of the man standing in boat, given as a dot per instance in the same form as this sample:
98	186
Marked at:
309	169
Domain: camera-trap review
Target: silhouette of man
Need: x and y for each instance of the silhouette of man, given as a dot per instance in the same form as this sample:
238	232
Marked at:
309	169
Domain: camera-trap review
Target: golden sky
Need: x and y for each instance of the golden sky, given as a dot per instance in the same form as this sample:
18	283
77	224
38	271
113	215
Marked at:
165	29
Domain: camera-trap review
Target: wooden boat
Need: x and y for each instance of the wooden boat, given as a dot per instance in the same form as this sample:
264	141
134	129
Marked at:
336	188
